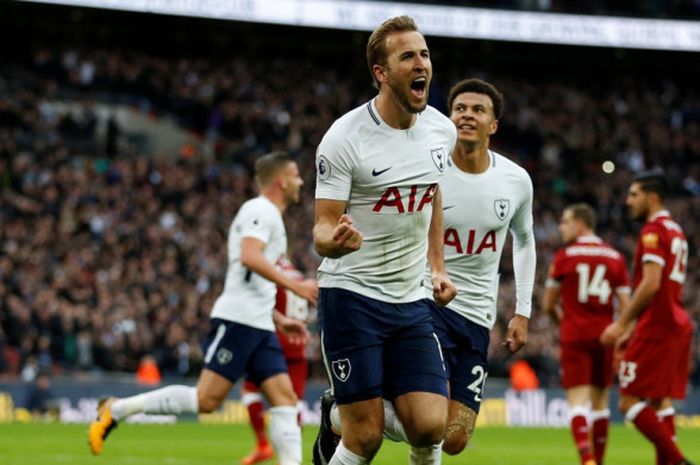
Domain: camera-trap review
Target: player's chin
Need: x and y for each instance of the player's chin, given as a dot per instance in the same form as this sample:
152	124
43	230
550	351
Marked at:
417	107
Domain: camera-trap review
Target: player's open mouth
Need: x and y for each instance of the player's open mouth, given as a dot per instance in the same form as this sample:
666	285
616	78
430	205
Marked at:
418	87
467	127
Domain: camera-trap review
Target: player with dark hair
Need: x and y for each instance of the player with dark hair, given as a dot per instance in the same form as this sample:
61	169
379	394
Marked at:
586	274
486	198
243	322
655	366
378	215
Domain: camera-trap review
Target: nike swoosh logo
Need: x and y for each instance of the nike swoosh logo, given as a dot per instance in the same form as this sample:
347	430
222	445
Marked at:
377	173
448	207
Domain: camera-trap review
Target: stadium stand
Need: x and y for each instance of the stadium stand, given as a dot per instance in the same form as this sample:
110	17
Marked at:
110	253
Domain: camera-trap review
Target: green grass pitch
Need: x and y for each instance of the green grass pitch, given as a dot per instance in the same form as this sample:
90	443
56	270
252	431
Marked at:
189	443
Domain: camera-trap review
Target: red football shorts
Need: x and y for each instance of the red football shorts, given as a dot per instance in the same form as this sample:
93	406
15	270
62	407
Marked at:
656	369
586	362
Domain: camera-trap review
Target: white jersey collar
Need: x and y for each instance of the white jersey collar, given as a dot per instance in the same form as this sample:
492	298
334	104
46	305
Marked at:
590	240
659	214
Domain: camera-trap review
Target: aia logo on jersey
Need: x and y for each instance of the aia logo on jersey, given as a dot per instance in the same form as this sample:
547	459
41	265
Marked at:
470	245
412	201
439	158
341	369
502	208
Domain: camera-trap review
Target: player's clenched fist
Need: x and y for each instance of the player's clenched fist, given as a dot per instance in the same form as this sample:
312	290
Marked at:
443	289
346	236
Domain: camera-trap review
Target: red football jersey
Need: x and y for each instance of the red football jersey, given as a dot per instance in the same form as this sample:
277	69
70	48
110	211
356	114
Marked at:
662	241
589	272
293	306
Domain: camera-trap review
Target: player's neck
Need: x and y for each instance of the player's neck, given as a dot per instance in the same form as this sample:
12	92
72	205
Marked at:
276	197
584	235
653	211
474	160
392	113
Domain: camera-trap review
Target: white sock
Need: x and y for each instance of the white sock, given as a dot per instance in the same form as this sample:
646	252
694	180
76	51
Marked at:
634	410
393	429
431	455
285	434
343	456
251	398
599	415
170	400
335	419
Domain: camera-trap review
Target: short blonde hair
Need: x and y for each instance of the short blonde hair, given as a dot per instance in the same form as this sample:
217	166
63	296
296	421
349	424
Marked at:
376	45
268	166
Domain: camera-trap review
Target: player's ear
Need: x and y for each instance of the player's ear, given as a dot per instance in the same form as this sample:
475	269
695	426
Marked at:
379	73
494	127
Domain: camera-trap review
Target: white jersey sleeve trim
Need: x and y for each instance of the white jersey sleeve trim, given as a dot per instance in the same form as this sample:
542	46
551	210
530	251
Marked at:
552	283
624	289
649	257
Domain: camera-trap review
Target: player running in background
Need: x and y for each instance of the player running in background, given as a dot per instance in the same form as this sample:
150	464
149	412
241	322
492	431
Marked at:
378	215
485	195
586	274
293	306
242	338
655	366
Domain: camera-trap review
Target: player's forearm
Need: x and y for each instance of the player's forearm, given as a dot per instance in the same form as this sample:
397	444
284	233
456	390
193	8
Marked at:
324	243
642	296
549	303
436	236
256	262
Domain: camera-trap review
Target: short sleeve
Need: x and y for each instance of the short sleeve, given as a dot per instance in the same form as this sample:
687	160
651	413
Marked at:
333	169
652	243
256	222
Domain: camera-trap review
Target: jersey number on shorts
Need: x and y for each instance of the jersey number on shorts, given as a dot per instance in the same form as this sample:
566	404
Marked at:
628	373
597	286
478	385
679	248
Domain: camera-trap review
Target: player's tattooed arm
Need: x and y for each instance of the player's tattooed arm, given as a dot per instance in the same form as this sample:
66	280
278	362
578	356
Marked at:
334	233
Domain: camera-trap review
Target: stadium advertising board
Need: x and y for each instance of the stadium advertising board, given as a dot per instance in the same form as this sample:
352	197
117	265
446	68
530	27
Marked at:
533	408
446	21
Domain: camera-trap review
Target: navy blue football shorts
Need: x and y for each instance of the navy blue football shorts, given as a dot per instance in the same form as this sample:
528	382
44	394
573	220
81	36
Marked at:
377	349
234	349
465	347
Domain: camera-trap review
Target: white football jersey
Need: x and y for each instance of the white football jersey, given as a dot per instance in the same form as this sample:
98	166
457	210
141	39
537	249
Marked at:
248	298
479	209
388	177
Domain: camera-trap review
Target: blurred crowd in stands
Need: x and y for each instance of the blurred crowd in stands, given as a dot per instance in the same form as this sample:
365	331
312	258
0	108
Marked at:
109	255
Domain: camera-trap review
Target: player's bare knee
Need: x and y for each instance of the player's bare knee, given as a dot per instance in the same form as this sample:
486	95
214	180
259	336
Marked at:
366	440
207	404
426	435
455	444
624	405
